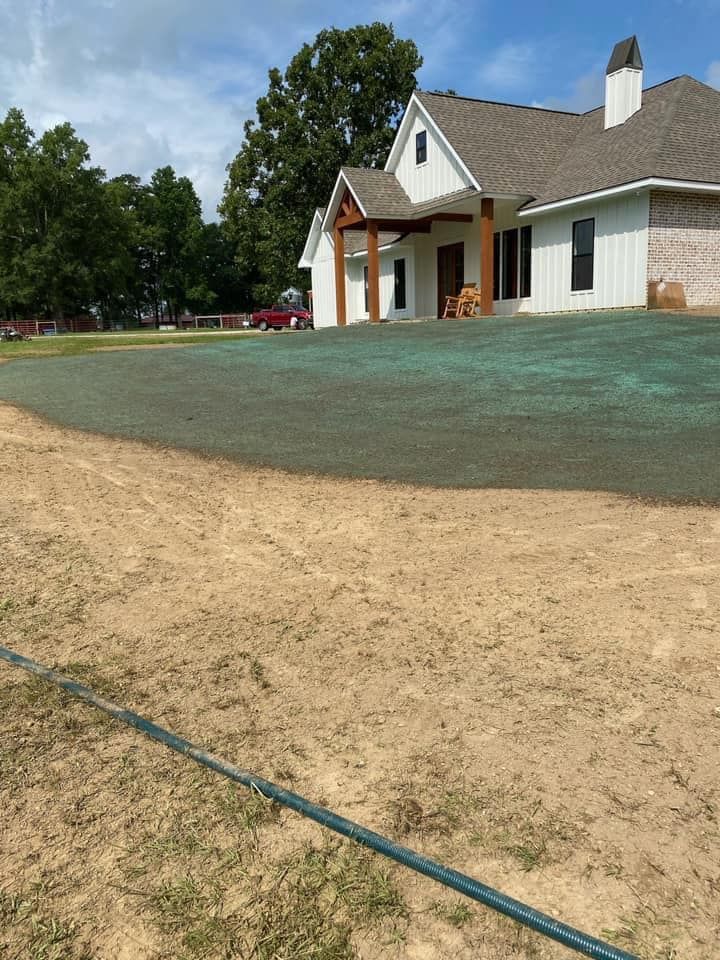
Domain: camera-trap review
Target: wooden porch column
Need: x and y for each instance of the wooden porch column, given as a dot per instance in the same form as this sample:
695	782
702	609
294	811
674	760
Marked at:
373	272
487	222
340	308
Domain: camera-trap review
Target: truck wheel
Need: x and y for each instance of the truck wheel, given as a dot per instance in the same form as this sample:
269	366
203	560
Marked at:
263	325
300	325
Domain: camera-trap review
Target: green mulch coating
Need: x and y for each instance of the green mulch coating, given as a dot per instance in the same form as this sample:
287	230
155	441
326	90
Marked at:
625	401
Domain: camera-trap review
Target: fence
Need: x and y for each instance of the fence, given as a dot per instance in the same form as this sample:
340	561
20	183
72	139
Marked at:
39	328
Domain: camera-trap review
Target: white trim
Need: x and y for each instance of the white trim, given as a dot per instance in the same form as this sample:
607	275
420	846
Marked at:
392	159
387	246
305	260
632	187
335	200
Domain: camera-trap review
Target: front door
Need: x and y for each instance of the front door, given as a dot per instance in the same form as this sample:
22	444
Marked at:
451	273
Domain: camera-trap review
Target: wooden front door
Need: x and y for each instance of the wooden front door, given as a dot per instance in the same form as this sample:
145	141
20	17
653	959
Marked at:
451	273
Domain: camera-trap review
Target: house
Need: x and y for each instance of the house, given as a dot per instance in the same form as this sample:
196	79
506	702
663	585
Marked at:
545	210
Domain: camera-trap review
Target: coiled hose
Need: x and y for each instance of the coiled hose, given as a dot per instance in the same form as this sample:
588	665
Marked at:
522	913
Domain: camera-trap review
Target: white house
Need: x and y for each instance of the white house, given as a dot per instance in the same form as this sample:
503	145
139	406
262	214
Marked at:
544	210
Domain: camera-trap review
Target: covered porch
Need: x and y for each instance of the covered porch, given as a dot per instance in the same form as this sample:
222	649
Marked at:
373	211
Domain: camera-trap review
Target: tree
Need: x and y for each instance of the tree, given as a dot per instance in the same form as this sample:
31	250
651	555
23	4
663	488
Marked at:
69	220
16	155
221	287
172	217
57	233
338	102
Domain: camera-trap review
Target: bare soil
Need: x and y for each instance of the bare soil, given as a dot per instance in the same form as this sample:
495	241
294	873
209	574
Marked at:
524	684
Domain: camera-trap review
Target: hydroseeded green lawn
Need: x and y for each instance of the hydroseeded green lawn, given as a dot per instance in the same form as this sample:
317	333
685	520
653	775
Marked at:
625	401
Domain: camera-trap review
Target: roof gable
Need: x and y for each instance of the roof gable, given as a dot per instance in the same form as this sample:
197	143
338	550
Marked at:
308	254
414	108
508	149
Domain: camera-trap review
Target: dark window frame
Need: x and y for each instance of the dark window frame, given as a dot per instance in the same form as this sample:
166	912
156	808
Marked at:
497	260
582	275
400	283
420	147
509	273
366	285
526	261
509	285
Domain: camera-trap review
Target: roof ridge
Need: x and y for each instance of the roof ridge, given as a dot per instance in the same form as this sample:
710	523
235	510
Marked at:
497	103
669	117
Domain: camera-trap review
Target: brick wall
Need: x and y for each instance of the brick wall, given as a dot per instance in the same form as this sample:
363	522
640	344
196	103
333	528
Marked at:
684	243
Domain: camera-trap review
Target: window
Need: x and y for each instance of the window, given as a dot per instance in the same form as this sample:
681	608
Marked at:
525	261
509	264
583	248
512	263
366	286
399	284
421	147
496	266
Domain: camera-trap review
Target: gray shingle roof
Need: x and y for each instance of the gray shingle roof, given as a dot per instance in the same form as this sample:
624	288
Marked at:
356	240
379	193
508	149
549	155
383	198
675	135
553	156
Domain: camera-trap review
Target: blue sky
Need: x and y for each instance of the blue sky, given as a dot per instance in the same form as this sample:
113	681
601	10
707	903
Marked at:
150	82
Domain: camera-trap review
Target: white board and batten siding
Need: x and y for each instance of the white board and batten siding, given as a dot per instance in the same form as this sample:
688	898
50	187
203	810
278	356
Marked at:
439	175
355	270
620	263
323	283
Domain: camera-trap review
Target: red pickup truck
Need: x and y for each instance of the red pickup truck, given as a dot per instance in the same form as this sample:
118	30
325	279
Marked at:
281	315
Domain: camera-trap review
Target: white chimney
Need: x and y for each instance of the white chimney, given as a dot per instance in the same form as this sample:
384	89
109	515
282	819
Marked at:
623	82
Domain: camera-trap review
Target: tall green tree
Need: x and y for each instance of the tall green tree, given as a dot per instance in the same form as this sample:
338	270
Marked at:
338	102
172	216
17	155
67	220
58	233
222	287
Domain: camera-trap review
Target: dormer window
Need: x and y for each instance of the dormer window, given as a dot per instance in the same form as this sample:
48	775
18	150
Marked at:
421	147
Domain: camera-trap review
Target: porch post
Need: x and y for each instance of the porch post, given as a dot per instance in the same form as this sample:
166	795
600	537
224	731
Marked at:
373	272
340	308
487	218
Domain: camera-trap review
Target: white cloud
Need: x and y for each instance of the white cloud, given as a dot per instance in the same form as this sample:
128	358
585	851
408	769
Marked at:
713	74
147	84
154	82
512	65
586	93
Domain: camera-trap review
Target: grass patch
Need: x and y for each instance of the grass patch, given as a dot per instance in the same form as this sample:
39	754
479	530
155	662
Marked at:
500	819
41	719
305	906
70	345
43	937
645	933
457	914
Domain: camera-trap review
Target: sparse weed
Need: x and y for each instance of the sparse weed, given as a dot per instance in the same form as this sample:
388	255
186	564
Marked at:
457	914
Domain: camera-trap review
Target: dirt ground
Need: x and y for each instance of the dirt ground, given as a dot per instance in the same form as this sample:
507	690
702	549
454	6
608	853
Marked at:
524	684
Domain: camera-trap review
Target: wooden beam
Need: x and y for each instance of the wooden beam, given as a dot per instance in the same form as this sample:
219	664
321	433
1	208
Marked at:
340	309
349	219
451	217
487	223
404	226
373	272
